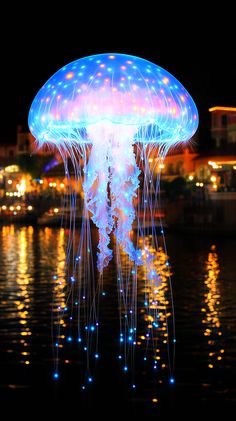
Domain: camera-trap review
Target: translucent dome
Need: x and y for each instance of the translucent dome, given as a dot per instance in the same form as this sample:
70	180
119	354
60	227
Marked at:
113	89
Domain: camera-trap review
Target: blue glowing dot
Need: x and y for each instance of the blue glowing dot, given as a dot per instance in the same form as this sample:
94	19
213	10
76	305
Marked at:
79	340
69	339
131	330
86	327
54	277
130	338
155	367
145	358
174	340
103	293
121	340
71	317
145	303
172	380
83	387
162	232
167	264
92	328
125	368
57	344
133	386
65	308
96	356
55	376
90	379
120	357
72	279
97	324
85	348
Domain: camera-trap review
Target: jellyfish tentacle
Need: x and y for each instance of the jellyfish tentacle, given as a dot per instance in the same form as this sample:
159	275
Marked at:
110	187
124	185
97	202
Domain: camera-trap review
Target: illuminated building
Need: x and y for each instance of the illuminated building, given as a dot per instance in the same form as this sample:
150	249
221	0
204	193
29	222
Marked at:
223	127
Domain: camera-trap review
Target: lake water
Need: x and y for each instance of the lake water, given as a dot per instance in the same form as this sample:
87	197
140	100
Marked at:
204	287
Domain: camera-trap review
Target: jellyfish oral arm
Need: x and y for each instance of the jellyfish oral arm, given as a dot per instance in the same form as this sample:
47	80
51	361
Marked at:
96	179
112	168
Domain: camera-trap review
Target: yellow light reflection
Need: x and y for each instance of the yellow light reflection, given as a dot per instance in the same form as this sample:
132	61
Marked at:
211	309
157	307
18	255
25	241
59	283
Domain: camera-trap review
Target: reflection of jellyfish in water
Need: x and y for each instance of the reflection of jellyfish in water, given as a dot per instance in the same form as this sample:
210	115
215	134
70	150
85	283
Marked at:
110	115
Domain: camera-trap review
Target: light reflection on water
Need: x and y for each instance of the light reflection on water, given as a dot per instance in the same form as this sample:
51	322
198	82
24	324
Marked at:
211	309
157	309
33	286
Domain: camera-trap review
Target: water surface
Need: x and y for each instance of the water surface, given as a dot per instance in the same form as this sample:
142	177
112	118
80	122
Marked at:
204	285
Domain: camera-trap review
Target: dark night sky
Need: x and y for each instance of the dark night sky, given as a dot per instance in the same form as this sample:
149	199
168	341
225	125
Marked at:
199	50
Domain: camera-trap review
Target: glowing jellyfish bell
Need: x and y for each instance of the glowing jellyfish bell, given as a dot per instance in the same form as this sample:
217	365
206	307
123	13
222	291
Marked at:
98	108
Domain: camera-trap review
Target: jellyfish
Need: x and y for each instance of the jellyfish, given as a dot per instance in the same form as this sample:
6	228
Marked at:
113	117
